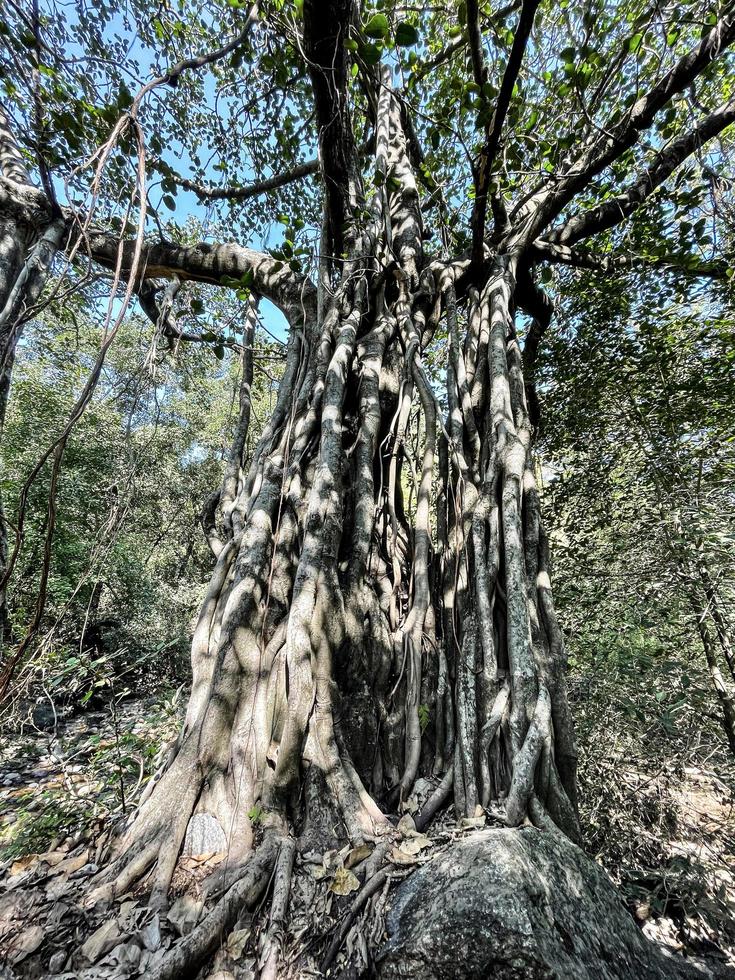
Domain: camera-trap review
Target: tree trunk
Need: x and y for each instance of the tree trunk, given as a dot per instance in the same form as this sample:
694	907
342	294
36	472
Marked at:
344	649
380	609
719	684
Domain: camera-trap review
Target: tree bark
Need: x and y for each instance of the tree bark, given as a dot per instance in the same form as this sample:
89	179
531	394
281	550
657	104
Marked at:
719	685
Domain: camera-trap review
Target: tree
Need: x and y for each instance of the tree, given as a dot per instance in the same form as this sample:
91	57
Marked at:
126	572
381	605
647	518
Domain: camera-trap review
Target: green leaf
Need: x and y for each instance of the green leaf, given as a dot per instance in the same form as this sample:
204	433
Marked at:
423	713
377	26
406	35
169	202
371	54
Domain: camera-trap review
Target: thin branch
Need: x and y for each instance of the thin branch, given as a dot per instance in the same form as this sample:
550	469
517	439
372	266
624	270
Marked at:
457	43
258	187
172	77
207	193
563	254
618	136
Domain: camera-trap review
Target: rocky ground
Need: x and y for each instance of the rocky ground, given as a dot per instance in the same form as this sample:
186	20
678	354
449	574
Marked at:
63	779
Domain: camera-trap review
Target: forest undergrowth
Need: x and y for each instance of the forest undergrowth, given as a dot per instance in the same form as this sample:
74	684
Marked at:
658	812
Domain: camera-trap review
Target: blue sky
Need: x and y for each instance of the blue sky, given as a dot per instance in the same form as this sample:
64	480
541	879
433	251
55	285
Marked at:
176	154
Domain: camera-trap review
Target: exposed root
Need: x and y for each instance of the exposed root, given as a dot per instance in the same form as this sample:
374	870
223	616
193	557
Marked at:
437	799
189	953
273	944
367	891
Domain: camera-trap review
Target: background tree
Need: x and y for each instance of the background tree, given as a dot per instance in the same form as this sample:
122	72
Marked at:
640	473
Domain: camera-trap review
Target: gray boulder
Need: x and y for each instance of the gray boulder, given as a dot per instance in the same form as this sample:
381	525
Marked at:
517	905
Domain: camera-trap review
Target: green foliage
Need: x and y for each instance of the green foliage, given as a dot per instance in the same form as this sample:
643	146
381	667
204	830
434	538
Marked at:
108	758
129	561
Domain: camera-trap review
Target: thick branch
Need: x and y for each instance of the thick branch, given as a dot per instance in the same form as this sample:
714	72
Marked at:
616	209
618	136
12	165
325	32
495	124
203	262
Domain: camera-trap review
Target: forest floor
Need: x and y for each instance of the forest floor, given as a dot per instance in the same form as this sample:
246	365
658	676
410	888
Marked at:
666	838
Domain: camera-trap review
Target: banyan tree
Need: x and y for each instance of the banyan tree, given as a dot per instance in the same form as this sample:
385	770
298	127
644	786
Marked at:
380	608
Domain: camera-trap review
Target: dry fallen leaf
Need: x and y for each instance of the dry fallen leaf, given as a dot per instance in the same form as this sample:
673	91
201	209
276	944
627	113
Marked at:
406	825
236	943
357	854
22	864
414	844
399	856
101	941
184	913
344	882
410	805
52	858
127	958
72	864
